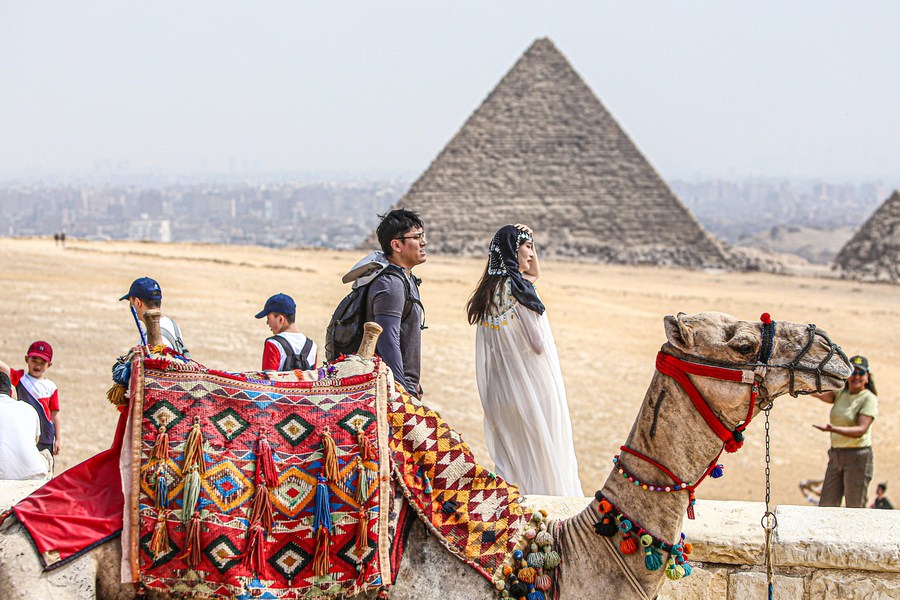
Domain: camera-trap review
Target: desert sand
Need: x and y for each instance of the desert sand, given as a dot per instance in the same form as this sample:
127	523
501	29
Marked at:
607	321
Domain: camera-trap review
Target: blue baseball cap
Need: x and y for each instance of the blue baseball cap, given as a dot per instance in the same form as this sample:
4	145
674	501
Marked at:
279	303
144	288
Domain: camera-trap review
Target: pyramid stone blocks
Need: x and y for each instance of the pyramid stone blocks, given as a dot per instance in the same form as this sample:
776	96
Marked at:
542	150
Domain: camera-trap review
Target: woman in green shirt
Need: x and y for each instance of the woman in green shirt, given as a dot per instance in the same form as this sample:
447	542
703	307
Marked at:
850	463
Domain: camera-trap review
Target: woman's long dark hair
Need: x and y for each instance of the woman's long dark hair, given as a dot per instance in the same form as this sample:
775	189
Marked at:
481	302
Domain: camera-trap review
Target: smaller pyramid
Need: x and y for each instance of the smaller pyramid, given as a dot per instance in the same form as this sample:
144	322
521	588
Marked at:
873	253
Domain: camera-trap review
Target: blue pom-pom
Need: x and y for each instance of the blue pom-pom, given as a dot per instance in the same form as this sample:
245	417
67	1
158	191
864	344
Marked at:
717	471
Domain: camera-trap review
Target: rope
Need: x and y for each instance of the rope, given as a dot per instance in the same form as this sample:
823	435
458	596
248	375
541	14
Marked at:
769	522
624	567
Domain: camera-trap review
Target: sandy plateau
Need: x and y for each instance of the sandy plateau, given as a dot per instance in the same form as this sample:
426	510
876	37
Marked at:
607	321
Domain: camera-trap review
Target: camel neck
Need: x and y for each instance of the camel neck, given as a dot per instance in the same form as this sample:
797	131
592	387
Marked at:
654	436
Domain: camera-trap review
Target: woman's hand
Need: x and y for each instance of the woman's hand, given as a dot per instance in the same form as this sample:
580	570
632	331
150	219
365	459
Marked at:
826	428
524	228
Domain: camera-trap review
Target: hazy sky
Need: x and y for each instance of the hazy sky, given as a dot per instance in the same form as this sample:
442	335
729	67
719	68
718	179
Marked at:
720	89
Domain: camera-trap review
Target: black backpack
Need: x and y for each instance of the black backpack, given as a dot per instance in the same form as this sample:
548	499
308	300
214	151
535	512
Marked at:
345	330
294	361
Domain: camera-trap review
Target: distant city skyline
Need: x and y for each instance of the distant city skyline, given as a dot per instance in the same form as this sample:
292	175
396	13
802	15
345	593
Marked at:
106	91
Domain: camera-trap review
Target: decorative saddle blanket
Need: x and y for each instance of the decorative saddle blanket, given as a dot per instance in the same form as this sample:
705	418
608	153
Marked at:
252	487
265	485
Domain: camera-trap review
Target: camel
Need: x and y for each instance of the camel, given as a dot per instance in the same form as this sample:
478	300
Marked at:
744	366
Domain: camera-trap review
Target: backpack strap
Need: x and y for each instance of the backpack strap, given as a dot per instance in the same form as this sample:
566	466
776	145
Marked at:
292	357
304	363
410	299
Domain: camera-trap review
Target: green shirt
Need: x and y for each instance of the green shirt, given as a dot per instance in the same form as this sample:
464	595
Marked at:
846	410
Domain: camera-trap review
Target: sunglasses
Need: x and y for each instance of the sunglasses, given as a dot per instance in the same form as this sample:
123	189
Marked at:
859	372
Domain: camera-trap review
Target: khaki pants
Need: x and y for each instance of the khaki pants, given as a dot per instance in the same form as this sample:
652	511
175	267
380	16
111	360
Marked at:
48	458
848	476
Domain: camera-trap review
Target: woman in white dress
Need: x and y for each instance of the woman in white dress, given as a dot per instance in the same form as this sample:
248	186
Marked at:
526	417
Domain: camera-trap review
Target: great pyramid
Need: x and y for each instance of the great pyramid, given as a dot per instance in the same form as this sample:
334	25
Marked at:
542	150
873	253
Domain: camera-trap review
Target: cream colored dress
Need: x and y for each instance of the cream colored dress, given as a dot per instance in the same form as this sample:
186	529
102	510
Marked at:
526	417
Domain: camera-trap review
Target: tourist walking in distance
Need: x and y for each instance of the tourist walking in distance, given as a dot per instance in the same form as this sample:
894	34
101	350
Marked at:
33	387
145	294
20	431
287	349
393	298
526	416
850	461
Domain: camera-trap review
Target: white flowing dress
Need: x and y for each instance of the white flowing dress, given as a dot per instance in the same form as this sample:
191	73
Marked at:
526	417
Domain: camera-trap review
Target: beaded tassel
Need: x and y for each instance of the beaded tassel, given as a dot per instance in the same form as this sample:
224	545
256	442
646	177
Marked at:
193	448
192	551
159	542
329	457
542	582
191	493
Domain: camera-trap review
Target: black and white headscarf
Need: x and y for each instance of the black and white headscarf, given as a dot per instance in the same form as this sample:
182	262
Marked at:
503	259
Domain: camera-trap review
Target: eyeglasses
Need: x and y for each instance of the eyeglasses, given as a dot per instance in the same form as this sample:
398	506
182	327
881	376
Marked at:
859	372
419	237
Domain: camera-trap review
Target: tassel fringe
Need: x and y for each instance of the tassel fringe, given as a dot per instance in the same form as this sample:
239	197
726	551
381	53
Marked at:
161	445
366	451
192	552
266	472
362	483
193	448
162	490
362	533
329	457
322	560
191	493
254	556
261	509
116	395
159	542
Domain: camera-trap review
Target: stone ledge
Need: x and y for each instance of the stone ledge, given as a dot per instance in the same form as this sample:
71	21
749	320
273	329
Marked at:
11	491
838	538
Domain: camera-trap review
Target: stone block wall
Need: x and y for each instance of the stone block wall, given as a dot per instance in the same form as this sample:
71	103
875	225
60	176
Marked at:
818	554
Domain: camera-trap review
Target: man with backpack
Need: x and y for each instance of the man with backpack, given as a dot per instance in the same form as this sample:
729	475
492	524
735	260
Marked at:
393	299
287	349
386	291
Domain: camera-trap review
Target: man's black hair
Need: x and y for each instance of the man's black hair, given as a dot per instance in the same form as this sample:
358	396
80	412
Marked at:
395	224
5	384
151	302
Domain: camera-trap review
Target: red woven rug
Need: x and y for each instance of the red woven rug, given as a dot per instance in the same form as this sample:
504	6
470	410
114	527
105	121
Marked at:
263	488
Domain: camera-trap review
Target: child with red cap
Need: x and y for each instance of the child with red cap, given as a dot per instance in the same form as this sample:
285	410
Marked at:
38	391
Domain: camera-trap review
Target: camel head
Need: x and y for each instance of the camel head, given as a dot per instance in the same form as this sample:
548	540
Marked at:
785	357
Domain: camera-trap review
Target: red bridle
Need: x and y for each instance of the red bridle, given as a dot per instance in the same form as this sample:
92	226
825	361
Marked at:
679	370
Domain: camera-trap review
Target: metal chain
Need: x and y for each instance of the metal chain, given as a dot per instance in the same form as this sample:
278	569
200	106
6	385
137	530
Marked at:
769	522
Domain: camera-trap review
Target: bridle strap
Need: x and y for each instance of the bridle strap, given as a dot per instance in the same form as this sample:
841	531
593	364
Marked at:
679	370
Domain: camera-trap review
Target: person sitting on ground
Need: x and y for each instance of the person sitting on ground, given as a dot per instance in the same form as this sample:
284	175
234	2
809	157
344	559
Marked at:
287	349
33	388
145	294
20	430
881	500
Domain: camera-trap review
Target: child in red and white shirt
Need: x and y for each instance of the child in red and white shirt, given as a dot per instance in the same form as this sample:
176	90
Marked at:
38	391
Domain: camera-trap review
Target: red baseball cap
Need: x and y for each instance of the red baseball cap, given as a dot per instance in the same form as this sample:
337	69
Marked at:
41	349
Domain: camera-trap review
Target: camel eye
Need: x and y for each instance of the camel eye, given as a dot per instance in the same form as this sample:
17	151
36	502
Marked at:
745	348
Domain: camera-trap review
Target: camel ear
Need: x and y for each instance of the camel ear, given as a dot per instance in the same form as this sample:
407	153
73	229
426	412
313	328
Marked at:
678	332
